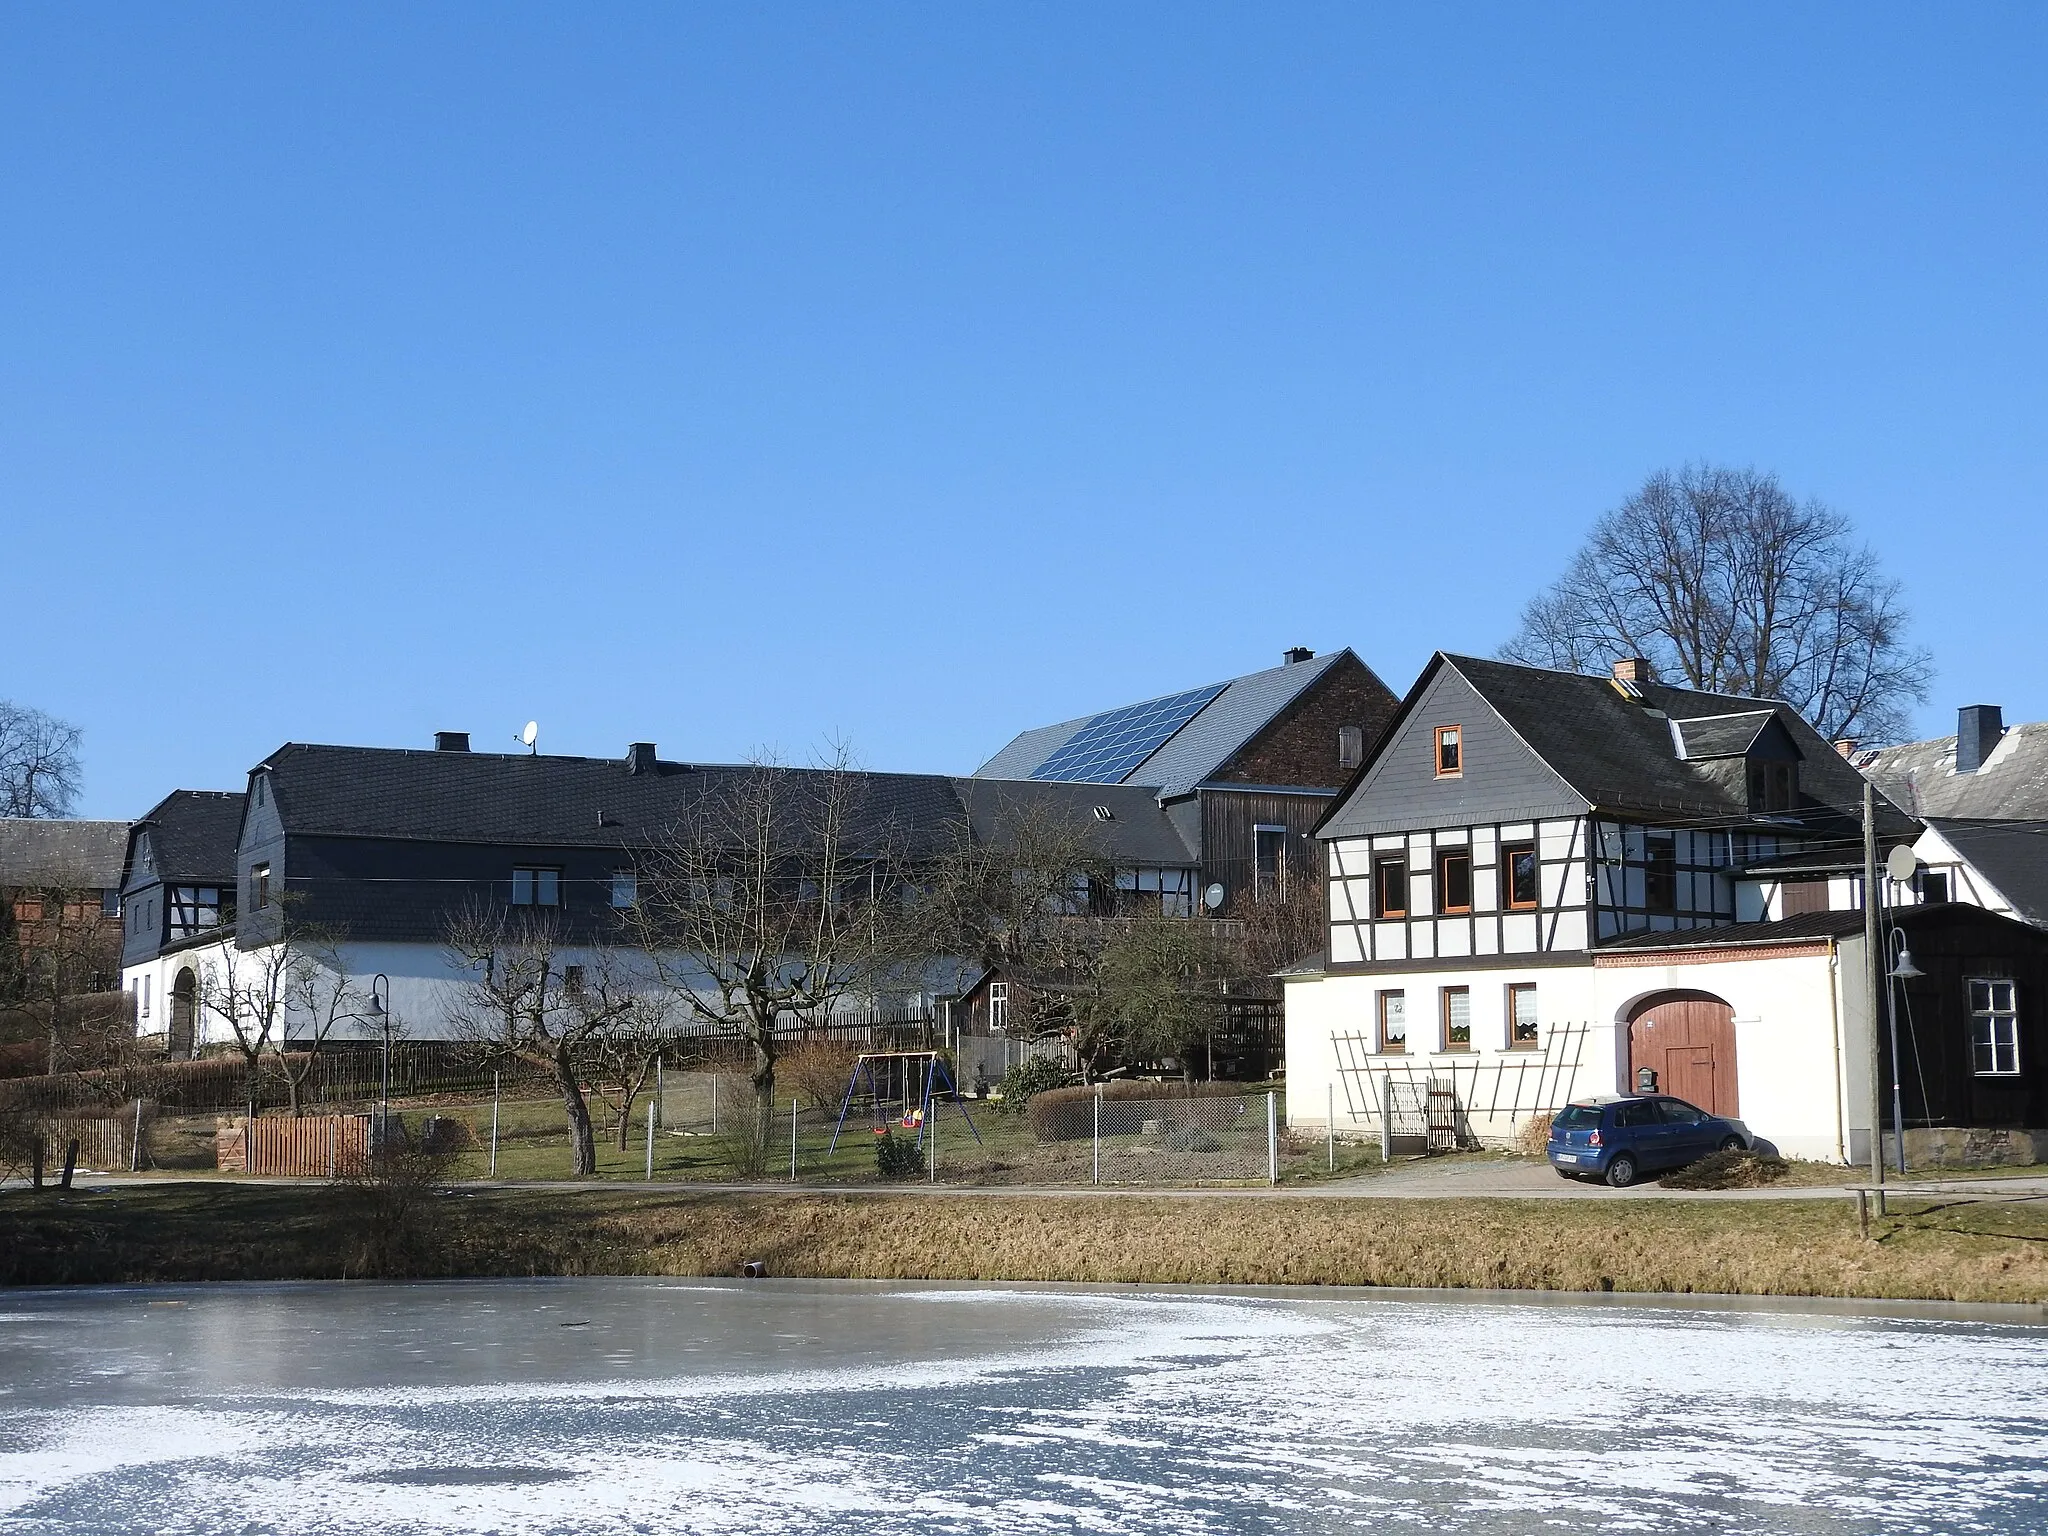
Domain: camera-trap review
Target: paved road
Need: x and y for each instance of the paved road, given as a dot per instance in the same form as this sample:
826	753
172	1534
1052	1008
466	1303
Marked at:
1449	1178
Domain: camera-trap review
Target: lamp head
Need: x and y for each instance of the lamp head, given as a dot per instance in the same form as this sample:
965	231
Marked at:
1903	968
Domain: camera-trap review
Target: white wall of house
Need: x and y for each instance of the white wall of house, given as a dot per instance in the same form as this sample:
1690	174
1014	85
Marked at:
1802	1046
1334	1045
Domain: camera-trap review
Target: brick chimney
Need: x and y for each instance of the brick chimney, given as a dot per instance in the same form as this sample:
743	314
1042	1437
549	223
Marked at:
451	741
1632	669
1846	745
1979	728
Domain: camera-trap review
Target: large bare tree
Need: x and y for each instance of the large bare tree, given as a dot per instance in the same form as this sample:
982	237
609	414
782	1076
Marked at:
776	895
534	995
39	770
1726	583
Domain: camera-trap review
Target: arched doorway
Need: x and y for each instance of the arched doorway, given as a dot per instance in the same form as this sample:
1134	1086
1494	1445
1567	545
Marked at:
1688	1039
184	1014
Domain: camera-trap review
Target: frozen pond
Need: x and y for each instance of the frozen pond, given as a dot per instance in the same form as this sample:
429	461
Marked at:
672	1406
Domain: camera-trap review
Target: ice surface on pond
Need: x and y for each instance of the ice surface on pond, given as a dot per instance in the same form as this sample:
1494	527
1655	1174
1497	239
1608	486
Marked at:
628	1406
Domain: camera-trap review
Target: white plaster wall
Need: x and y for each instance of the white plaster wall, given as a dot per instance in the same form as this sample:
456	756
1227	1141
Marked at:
1322	1010
1790	1041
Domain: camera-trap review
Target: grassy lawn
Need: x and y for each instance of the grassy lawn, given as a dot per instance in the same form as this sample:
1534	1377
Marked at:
207	1231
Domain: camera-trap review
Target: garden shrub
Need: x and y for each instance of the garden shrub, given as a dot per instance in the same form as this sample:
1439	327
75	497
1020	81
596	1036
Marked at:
898	1157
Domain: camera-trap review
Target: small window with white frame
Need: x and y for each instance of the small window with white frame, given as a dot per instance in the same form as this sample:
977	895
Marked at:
999	1007
1994	1028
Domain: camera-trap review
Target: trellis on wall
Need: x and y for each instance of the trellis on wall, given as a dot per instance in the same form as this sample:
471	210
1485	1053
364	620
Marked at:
1438	1099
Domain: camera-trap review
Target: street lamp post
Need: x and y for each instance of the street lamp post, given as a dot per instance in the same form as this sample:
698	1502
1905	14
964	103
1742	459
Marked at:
380	1010
1901	969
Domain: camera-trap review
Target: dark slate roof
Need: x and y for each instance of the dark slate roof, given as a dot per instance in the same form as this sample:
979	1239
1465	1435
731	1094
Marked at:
1617	752
1803	928
1242	708
1921	777
82	854
1810	926
2012	855
194	834
525	799
1139	832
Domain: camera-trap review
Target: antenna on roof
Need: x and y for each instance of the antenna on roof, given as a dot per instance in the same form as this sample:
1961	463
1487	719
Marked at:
530	735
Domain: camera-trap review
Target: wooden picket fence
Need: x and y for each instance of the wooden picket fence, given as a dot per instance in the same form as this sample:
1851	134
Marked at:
309	1147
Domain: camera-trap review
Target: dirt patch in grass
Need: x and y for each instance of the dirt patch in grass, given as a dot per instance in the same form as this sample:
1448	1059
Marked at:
1797	1248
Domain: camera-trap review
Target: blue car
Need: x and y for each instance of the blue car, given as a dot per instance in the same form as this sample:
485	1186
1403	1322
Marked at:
1621	1138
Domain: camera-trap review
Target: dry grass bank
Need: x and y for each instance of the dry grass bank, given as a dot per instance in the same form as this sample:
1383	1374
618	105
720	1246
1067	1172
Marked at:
1801	1248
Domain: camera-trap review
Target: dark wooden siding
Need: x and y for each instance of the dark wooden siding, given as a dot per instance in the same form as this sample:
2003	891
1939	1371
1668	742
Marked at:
1939	1084
1228	817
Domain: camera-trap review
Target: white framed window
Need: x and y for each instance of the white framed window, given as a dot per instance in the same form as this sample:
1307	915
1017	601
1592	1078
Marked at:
999	1007
145	997
1994	1028
1269	845
536	887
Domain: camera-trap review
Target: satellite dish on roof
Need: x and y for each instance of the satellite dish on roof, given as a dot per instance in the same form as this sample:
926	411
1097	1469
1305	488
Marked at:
1901	863
1212	898
530	735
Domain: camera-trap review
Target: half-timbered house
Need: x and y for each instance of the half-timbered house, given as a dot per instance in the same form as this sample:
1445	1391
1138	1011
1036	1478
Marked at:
1518	828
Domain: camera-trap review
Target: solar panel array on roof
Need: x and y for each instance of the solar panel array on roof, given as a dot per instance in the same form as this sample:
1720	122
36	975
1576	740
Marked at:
1110	745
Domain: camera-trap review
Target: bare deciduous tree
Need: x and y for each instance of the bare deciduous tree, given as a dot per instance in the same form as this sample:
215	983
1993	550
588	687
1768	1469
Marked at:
779	893
320	999
1727	584
1161	988
55	948
39	770
536	997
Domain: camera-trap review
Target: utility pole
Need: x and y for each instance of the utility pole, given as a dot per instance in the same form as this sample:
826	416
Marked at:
1873	959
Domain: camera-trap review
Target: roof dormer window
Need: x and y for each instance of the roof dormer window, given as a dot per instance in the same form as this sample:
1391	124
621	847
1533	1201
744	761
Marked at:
1773	786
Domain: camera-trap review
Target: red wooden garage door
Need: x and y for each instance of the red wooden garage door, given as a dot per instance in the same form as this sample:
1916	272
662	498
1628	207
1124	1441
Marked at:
1688	1038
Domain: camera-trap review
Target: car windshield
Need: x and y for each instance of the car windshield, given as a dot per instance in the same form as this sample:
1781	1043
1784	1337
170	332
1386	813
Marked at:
1576	1117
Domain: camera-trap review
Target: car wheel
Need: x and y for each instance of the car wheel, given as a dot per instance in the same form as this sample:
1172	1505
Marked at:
1732	1144
1621	1171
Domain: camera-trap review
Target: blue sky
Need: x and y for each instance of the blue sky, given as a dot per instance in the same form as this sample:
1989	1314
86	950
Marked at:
739	377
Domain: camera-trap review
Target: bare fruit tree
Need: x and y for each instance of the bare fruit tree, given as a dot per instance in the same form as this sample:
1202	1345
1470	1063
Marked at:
1161	989
1725	583
39	770
778	894
533	995
1030	894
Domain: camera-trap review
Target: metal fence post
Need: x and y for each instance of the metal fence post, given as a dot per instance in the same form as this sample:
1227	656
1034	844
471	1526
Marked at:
650	1138
714	1101
135	1149
792	1141
494	1125
1272	1138
1386	1117
1098	1134
1330	1126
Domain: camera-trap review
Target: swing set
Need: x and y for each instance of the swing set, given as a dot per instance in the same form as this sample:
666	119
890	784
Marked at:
890	1077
